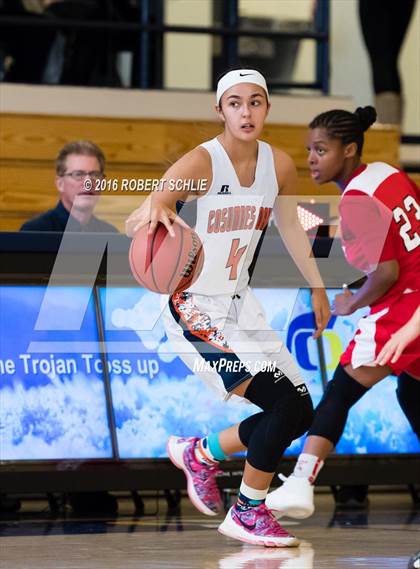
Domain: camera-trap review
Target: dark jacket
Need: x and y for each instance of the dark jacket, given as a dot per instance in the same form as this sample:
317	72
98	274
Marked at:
56	220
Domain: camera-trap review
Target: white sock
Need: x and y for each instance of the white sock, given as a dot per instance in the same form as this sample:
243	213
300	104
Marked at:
308	466
253	493
249	497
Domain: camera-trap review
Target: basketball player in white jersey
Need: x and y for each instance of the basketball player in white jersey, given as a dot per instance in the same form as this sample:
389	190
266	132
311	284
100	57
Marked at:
219	321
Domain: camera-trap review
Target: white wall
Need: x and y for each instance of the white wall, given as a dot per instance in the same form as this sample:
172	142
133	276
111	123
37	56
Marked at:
188	58
410	72
350	72
287	10
350	66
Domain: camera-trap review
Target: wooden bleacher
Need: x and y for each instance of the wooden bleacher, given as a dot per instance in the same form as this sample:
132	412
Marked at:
135	148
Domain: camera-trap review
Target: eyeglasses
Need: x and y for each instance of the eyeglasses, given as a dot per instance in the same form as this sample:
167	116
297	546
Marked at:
79	175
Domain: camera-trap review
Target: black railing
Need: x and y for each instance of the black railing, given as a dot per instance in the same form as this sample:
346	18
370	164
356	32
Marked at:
151	30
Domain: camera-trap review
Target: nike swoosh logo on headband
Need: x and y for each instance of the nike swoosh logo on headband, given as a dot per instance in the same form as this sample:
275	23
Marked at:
245	74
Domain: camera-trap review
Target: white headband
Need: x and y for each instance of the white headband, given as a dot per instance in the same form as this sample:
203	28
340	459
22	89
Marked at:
239	76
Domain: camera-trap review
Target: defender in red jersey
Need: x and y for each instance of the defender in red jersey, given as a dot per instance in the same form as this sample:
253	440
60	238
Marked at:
380	225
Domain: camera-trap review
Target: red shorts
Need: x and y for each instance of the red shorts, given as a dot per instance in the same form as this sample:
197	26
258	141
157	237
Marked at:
376	328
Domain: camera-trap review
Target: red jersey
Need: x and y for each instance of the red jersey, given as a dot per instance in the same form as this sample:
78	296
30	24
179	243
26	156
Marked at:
380	221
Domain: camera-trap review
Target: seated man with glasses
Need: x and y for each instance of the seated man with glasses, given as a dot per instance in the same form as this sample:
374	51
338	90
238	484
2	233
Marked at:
76	163
78	166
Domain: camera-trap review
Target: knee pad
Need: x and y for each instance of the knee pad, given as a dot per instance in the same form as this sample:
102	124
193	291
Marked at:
408	395
341	394
287	414
247	426
273	391
269	389
307	417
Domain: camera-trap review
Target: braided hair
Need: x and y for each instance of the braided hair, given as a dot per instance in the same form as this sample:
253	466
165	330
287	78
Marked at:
347	127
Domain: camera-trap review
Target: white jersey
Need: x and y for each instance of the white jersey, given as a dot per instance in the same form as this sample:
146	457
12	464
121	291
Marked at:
231	219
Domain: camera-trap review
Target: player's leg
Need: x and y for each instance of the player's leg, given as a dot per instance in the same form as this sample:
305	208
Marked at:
353	377
287	414
295	496
383	27
189	322
378	30
343	391
408	388
408	395
287	411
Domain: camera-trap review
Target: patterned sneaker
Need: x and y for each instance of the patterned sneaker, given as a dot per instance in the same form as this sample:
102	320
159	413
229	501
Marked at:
257	526
295	498
269	557
201	479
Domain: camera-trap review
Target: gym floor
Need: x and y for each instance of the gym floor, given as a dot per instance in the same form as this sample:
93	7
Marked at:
384	536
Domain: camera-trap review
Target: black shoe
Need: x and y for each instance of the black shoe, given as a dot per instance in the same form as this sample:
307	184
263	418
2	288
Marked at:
351	497
8	504
93	503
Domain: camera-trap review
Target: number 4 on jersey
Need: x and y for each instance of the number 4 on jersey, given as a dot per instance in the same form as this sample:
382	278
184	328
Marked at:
235	256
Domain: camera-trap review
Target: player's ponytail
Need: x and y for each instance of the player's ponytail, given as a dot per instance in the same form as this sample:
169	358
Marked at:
366	116
346	126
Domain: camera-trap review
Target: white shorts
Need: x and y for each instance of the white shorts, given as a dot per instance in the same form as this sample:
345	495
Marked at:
225	340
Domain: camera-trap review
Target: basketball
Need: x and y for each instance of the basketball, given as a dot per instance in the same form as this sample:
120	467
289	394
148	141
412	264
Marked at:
166	264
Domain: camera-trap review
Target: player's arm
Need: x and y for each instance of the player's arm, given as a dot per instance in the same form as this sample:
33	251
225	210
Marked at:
377	283
295	238
160	206
368	221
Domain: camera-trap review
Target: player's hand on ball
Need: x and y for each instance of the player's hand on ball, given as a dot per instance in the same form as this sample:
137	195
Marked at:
138	218
153	213
321	308
163	214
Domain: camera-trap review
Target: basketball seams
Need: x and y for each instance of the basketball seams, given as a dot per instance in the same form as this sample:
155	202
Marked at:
180	260
131	256
180	250
199	261
151	258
